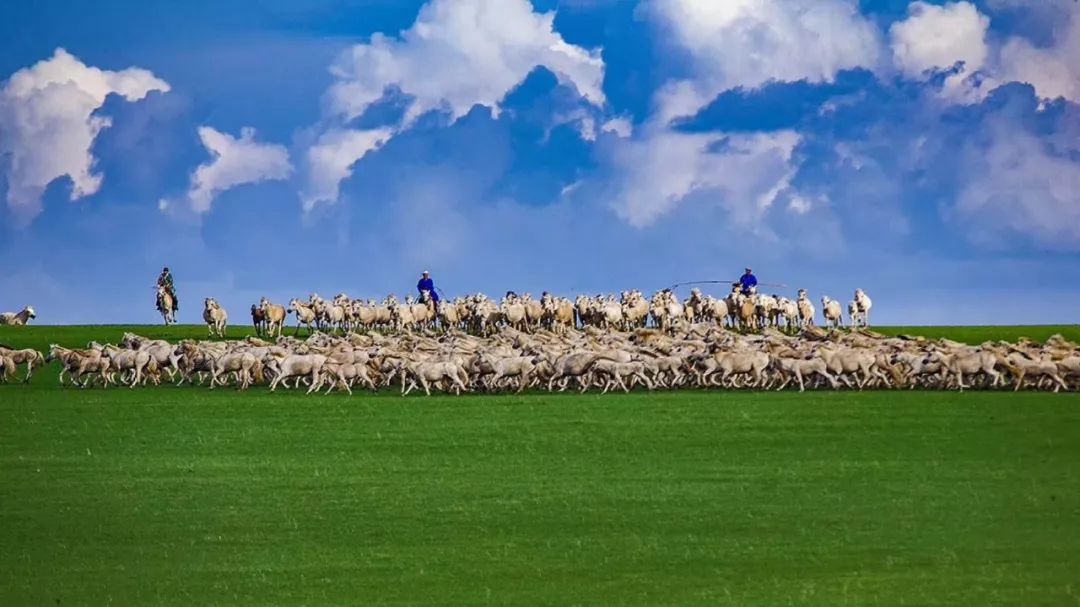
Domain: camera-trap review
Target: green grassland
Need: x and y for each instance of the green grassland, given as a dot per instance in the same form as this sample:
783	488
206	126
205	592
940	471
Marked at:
188	496
976	335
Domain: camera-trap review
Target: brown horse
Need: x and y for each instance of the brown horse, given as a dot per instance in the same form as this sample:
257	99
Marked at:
258	319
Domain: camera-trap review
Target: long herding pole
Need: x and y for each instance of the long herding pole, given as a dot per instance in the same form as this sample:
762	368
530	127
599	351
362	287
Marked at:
721	282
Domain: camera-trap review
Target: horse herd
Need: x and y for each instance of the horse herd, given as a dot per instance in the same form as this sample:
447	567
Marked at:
604	342
696	355
480	315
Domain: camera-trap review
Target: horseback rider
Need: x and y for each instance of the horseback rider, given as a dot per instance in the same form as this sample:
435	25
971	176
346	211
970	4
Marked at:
747	283
165	281
427	284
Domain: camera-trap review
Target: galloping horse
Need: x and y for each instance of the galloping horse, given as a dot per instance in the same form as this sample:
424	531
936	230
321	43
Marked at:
17	318
166	305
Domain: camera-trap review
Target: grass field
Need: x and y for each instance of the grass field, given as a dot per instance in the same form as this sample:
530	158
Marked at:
190	497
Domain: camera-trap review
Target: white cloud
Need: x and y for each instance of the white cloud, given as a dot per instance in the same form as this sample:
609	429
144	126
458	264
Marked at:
458	53
937	38
331	159
735	43
1053	71
743	173
234	162
749	42
621	126
48	126
800	204
1016	184
570	189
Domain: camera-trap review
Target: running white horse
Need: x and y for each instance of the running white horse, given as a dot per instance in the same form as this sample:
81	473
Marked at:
18	318
166	305
215	316
862	306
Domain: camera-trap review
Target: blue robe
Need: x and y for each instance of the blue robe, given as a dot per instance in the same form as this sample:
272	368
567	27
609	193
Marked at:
747	281
427	284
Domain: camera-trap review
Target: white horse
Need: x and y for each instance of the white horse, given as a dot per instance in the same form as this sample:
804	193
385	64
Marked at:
215	316
166	305
18	318
862	305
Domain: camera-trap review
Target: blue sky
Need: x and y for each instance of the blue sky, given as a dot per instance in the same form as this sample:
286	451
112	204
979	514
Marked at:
927	152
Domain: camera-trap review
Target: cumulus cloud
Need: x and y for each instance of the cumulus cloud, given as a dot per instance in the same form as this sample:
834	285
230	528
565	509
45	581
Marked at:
331	159
621	126
935	38
48	124
1054	71
1016	183
460	53
742	173
736	43
1001	173
750	42
234	161
457	54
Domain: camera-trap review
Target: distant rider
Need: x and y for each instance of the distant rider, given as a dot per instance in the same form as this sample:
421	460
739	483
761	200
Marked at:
748	282
427	284
165	280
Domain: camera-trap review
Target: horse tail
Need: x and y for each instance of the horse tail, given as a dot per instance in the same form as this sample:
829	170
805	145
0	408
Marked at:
897	375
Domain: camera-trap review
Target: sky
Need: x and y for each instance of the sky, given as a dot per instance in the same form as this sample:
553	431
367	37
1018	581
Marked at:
926	152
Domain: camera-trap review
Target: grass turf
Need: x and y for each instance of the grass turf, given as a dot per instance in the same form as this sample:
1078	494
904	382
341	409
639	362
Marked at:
187	496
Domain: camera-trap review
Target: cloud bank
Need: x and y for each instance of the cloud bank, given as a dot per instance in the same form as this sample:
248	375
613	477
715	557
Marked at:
235	161
457	54
48	125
